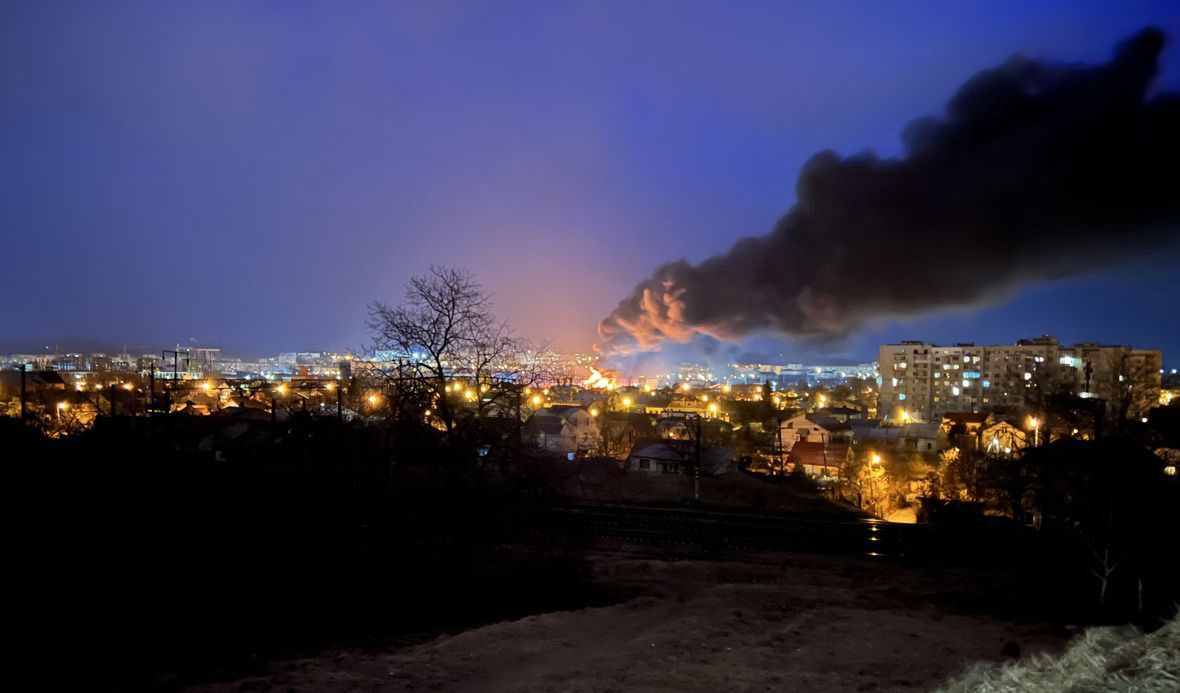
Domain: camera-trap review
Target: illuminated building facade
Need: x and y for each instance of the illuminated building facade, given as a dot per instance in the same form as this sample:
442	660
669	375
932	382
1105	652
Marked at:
927	380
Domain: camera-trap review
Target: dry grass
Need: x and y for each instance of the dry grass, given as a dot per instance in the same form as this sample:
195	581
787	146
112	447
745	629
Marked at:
1101	659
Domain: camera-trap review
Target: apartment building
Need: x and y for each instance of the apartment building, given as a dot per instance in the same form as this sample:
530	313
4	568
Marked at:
925	381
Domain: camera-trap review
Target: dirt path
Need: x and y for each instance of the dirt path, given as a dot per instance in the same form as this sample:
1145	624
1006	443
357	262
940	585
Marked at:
799	624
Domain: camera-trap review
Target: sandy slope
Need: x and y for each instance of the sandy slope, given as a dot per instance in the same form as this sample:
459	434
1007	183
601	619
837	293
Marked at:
786	623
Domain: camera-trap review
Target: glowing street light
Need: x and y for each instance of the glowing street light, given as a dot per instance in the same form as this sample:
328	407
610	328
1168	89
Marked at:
536	400
876	459
373	399
62	406
593	412
626	401
282	389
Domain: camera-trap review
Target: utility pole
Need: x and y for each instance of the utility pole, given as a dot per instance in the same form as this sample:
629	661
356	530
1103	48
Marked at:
112	400
24	395
152	397
778	446
696	470
339	402
175	370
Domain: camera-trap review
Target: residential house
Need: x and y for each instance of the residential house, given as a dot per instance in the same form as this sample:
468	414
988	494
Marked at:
813	429
820	459
913	436
964	430
562	429
1002	439
674	457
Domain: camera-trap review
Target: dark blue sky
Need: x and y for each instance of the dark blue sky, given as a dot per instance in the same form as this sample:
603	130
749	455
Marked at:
253	174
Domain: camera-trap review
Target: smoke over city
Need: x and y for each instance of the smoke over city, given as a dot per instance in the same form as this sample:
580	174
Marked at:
1036	171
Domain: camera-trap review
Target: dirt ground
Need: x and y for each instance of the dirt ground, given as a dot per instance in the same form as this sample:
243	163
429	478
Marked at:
769	622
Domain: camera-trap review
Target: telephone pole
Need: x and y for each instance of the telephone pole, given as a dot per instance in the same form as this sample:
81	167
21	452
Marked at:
24	395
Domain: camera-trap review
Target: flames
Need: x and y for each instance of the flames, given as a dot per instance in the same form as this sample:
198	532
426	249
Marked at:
599	380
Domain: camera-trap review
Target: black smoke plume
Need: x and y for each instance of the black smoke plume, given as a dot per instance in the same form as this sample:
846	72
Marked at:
1036	171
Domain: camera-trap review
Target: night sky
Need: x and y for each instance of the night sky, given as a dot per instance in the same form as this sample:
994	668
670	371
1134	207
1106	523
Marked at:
252	175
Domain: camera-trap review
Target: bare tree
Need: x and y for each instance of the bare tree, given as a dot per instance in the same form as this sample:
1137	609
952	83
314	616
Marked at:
1131	387
445	331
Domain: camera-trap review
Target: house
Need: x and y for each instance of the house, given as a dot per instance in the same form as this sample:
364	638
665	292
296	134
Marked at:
840	413
1002	439
686	428
964	429
818	459
919	437
813	429
686	405
673	457
561	428
915	436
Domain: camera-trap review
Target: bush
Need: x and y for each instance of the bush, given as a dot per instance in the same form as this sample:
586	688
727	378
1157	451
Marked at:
1101	659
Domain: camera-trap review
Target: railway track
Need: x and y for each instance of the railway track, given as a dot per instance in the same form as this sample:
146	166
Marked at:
736	531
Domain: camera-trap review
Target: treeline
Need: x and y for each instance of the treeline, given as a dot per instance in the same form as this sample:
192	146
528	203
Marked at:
1111	501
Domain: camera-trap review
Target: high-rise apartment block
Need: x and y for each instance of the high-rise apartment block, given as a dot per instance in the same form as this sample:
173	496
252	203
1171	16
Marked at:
926	380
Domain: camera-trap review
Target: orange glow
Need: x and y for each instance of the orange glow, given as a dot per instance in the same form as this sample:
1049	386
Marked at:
598	380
